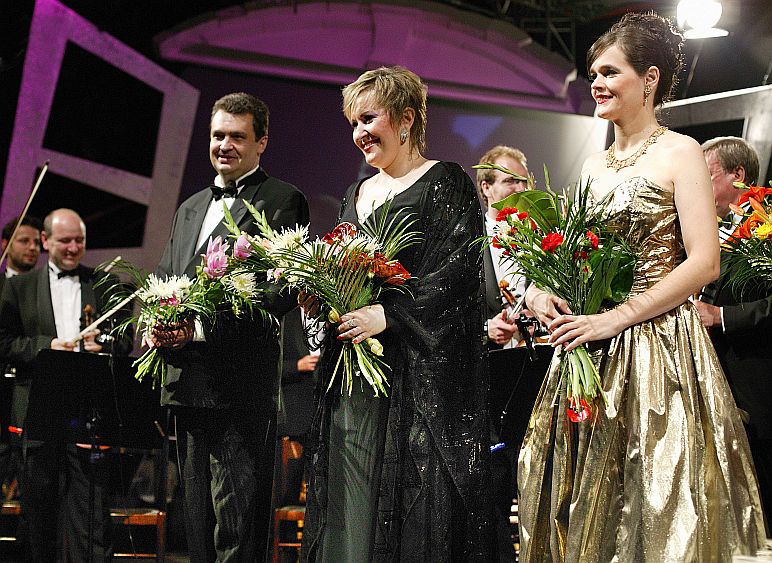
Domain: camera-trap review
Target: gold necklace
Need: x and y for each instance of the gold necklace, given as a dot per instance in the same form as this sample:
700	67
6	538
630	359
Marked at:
617	165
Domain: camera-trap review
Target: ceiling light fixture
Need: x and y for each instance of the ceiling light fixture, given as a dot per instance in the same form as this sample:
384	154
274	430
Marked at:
698	17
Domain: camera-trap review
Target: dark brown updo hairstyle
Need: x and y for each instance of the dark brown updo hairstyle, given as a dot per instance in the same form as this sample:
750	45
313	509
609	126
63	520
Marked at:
646	40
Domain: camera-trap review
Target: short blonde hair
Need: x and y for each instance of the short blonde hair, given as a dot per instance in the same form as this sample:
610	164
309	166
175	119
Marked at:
490	157
395	89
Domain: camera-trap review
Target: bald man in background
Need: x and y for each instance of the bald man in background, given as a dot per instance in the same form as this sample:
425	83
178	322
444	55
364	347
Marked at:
39	310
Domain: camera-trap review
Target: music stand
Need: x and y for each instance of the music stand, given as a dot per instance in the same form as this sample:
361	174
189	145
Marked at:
70	398
515	381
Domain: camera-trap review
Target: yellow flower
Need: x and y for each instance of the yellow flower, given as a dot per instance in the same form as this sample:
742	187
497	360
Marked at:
763	231
375	346
333	316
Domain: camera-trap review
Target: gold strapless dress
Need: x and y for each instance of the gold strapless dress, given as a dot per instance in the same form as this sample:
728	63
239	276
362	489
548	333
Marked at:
663	472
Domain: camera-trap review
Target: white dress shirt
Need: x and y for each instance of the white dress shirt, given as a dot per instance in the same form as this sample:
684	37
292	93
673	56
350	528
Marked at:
215	214
65	298
505	270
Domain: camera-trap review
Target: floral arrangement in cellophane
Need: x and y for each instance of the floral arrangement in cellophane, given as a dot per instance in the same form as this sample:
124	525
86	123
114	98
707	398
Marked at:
750	244
561	244
347	269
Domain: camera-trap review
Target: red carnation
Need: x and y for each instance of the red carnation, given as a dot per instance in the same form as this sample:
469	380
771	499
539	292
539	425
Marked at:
496	242
593	238
502	215
550	242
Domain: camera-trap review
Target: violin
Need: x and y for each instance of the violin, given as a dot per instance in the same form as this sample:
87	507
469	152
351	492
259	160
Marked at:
525	324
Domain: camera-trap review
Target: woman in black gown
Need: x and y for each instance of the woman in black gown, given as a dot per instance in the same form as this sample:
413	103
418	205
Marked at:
405	477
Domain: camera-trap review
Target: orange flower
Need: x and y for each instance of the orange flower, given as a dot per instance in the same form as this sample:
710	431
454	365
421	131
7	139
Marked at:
757	193
745	230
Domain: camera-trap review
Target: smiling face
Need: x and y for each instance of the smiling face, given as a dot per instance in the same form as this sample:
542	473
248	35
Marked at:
374	134
66	243
616	87
234	149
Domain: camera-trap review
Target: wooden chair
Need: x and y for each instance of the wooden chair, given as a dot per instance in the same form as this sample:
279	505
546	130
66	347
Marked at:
290	450
142	517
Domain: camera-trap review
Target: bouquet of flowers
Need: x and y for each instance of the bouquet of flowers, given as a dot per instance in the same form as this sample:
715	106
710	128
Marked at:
562	246
345	270
173	303
750	245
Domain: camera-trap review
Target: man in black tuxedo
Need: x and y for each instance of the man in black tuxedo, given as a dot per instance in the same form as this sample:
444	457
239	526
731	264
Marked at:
740	329
223	379
38	310
22	256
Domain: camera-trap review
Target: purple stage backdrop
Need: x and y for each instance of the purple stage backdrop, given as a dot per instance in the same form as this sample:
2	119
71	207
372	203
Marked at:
310	142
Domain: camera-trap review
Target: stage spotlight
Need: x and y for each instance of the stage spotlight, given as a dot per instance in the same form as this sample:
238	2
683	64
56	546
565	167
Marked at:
697	18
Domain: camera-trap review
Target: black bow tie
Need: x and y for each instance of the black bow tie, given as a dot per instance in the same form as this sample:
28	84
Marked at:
231	190
77	272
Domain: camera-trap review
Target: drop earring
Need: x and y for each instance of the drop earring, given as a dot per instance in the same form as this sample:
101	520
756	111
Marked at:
403	136
646	94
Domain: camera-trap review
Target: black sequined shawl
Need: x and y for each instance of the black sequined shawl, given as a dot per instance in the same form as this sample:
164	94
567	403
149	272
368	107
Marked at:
434	500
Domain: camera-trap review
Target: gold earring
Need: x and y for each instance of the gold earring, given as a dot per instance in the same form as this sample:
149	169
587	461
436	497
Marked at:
646	94
403	136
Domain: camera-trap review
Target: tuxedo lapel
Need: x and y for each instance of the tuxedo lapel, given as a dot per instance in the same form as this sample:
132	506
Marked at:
238	210
194	220
252	186
492	292
44	304
87	295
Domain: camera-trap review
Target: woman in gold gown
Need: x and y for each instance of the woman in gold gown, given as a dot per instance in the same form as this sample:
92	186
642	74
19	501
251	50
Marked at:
662	471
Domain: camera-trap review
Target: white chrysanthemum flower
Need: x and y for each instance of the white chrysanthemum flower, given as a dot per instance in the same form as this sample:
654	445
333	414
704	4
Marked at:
157	288
290	238
179	285
242	283
364	243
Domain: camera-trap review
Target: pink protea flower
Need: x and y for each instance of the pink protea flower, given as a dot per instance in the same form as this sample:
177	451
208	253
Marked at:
216	260
242	248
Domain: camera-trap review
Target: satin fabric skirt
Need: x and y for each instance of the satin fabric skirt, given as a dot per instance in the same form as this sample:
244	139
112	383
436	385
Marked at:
357	434
660	473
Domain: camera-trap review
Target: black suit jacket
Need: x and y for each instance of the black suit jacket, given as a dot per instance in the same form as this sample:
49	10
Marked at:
27	323
745	352
237	366
493	301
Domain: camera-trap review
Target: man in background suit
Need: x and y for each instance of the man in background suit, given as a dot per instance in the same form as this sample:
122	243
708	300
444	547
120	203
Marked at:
223	379
25	249
501	330
740	329
38	310
22	256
